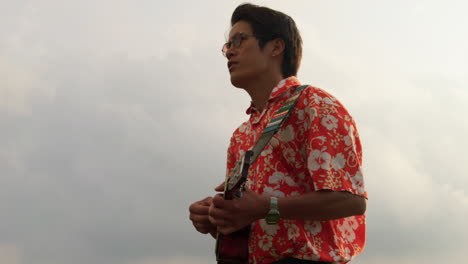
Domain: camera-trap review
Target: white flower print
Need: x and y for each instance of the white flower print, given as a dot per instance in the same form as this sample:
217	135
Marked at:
281	83
314	227
290	155
265	242
269	229
242	128
274	142
335	254
289	181
339	161
352	222
349	139
300	114
318	159
330	122
266	151
278	178
330	101
357	182
287	134
272	192
293	231
347	228
317	99
311	113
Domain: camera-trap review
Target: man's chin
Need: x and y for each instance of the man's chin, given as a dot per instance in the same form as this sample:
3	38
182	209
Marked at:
237	81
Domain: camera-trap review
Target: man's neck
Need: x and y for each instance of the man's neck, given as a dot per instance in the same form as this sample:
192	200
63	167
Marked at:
260	90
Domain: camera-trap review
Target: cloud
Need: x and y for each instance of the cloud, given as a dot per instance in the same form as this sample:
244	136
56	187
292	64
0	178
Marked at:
9	254
116	116
20	87
410	212
104	171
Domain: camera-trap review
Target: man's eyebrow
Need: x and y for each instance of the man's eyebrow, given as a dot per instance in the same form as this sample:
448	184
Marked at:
238	32
230	37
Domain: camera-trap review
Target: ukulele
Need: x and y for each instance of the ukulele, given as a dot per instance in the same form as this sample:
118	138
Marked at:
233	248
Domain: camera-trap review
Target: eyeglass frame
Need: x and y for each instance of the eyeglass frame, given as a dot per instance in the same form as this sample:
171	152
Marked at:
232	42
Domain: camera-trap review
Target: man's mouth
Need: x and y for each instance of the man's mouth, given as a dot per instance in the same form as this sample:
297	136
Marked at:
231	65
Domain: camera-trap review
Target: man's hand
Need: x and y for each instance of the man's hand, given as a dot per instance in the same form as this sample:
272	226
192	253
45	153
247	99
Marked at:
199	216
233	215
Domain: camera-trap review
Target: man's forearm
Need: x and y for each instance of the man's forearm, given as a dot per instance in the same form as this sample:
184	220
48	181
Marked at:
321	206
232	215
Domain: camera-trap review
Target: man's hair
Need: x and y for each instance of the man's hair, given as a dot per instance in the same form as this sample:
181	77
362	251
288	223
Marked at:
268	24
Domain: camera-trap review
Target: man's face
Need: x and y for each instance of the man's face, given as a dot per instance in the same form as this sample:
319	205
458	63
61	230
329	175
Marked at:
248	61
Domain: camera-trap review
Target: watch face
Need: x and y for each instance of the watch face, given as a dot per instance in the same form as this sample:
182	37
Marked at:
272	218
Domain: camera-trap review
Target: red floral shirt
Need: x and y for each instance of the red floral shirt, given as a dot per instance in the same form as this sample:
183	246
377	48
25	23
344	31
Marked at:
317	148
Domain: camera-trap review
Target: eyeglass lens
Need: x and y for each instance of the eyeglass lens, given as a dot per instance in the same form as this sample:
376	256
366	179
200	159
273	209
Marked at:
235	42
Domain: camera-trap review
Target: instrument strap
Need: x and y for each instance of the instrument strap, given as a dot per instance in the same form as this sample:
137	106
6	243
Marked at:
275	123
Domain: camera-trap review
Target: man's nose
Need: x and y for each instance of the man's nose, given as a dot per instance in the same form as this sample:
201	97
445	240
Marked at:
230	53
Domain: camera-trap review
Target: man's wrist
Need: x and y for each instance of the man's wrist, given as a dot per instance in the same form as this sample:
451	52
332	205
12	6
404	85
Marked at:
264	207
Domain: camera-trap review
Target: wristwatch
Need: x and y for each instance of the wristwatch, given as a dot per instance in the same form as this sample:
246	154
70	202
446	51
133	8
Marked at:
273	215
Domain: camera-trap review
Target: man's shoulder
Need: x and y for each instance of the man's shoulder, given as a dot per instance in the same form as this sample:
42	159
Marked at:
316	97
317	92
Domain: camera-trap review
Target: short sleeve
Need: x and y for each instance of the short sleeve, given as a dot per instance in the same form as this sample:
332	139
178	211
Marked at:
333	147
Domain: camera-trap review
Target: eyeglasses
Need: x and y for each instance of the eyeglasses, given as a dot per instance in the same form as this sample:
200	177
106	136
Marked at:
235	42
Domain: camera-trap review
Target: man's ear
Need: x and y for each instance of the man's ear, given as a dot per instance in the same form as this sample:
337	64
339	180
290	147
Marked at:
278	47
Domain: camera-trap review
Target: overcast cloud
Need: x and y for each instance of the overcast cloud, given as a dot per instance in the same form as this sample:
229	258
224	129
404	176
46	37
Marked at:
116	115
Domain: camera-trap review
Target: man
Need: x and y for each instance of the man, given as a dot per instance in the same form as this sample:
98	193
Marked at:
311	167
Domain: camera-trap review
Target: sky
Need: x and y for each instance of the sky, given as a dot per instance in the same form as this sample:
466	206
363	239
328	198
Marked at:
115	116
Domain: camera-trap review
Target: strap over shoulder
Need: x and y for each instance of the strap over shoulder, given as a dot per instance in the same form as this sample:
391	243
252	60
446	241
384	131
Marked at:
275	123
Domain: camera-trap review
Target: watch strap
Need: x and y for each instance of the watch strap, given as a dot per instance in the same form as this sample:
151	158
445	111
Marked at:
273	203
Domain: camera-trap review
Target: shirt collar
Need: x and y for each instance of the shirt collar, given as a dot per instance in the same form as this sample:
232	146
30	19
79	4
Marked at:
283	86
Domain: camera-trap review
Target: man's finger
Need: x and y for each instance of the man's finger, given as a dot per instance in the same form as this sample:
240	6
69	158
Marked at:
199	209
204	228
220	187
219	222
212	220
218	213
218	201
199	218
207	200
